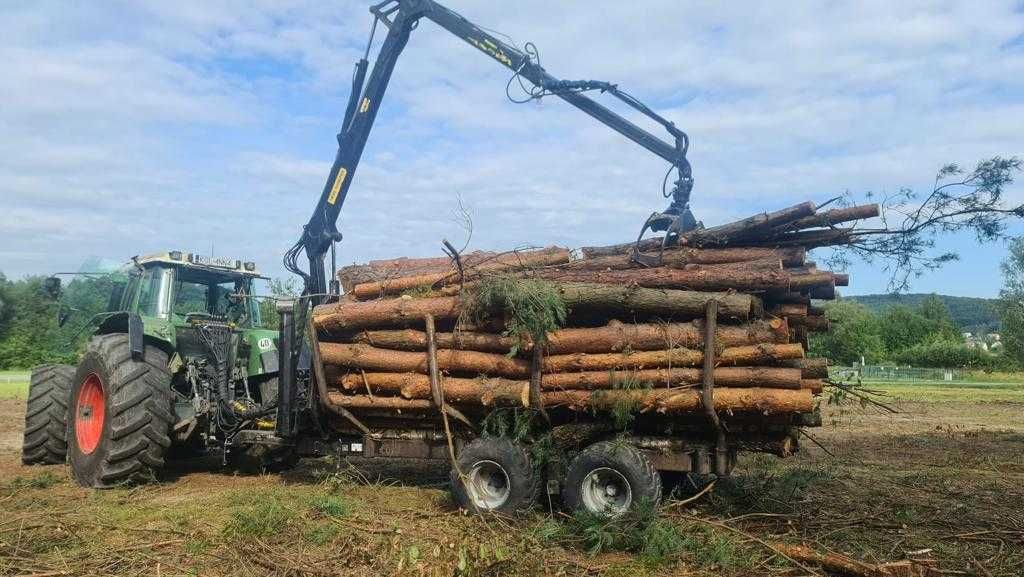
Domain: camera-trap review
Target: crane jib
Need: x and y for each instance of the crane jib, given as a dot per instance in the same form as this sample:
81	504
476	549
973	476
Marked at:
401	17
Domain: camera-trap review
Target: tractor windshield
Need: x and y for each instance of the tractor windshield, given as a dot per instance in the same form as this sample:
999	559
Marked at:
202	293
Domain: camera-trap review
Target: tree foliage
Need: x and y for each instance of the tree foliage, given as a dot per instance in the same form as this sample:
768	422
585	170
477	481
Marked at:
960	201
923	336
1011	301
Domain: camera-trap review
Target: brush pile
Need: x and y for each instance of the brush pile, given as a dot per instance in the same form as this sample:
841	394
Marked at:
716	328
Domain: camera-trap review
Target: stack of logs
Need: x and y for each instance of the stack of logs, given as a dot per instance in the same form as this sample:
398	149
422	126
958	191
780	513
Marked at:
399	339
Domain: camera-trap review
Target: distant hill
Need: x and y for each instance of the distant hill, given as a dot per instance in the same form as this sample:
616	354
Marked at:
976	315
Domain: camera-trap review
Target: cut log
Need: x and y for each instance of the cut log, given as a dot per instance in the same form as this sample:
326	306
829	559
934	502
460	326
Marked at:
754	400
368	402
809	239
768	377
811	279
378	270
833	217
816	323
675	257
511	261
478	391
810	368
751	226
413	340
822	292
676	303
720	278
616	336
417	386
401	312
777	297
745	355
815	386
365	357
788	310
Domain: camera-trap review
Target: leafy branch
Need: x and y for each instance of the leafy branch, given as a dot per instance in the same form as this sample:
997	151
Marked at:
959	201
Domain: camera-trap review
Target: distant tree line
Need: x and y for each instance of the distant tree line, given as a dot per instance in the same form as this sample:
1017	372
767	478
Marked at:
29	331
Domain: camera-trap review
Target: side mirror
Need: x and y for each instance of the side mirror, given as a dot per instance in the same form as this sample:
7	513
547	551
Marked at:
51	287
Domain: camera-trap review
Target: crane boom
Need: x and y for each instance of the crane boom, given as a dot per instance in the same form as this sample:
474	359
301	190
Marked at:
401	17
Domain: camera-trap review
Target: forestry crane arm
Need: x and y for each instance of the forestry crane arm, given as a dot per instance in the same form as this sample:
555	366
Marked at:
401	17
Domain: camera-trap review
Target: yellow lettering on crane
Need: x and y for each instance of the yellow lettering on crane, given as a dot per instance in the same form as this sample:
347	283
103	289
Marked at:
336	187
492	50
364	106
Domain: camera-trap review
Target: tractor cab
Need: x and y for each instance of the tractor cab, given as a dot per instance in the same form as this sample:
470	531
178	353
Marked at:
182	288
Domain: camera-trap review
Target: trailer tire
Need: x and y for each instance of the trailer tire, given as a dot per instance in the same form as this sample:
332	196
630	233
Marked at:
120	414
610	478
499	477
46	415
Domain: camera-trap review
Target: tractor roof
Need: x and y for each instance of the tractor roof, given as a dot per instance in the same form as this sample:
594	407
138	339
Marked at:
190	260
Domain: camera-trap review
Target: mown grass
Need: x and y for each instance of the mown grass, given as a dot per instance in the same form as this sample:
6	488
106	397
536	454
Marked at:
884	493
941	392
13	384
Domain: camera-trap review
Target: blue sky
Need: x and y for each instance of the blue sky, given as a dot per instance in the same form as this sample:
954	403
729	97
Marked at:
132	127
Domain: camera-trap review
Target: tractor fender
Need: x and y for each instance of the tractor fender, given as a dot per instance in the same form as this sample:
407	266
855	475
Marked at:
131	323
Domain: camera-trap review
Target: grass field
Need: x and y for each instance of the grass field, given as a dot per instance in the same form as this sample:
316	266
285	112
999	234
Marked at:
942	479
13	384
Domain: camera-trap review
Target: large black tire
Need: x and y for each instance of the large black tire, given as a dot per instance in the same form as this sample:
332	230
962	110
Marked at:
46	415
127	442
500	477
610	478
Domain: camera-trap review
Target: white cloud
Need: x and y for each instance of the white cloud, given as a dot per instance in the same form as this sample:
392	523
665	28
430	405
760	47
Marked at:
152	125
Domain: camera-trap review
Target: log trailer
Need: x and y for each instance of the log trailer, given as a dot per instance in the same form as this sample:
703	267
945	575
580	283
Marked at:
608	472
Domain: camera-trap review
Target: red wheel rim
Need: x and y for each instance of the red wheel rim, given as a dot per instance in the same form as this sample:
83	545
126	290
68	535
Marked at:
89	413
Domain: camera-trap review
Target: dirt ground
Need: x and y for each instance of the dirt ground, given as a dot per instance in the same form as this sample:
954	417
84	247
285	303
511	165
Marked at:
941	481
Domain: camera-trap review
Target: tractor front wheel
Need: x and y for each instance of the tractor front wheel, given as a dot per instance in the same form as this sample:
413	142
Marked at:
46	415
120	414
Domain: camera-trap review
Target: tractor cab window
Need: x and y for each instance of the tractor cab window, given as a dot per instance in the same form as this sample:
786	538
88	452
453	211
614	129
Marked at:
199	294
154	292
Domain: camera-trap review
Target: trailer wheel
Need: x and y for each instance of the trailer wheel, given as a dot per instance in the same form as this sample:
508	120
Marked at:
609	478
120	416
46	415
498	477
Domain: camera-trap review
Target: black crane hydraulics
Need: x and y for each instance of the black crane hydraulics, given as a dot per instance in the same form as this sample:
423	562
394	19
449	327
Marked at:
401	17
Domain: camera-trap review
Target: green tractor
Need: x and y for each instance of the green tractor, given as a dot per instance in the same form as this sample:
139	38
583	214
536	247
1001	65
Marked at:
178	362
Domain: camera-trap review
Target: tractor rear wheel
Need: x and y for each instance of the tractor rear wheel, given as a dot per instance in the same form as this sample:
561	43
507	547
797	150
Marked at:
120	414
46	415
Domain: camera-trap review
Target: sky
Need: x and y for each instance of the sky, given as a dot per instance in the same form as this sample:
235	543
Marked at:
137	127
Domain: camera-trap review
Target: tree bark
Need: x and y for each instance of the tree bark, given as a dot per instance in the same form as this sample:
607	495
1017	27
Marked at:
677	303
754	400
676	257
368	402
392	312
417	386
833	217
810	368
815	386
371	358
745	355
414	340
788	310
811	279
512	261
759	224
719	278
378	270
